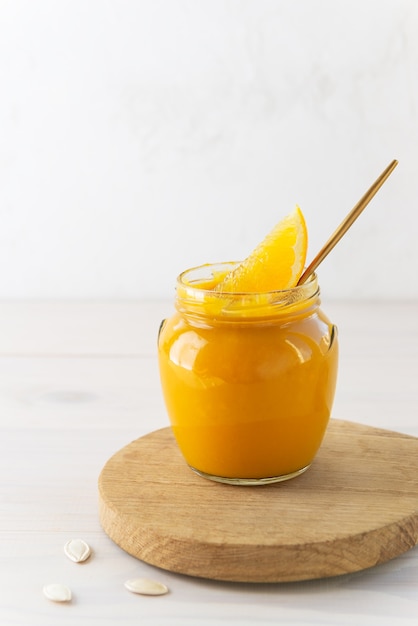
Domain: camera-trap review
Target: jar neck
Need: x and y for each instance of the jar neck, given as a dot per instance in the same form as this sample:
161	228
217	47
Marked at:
197	299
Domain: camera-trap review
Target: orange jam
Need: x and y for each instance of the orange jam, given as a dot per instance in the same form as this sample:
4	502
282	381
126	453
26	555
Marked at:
248	379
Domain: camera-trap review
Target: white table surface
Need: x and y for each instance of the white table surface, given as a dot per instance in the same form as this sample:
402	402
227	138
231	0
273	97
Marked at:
79	380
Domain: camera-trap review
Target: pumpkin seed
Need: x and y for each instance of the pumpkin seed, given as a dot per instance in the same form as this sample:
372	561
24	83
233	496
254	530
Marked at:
57	593
146	587
77	550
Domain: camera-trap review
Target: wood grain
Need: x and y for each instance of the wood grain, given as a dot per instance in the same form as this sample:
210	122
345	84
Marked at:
356	506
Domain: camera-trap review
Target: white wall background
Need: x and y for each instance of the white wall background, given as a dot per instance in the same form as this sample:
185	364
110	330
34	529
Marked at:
141	137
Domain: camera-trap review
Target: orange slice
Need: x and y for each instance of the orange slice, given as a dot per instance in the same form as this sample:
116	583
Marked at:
276	263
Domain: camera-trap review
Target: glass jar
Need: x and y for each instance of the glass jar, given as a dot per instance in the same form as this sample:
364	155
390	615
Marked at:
248	379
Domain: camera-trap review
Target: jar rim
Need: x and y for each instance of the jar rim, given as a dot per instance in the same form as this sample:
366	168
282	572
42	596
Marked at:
194	290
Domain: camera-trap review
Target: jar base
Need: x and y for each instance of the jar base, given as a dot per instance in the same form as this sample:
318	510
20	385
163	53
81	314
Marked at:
250	482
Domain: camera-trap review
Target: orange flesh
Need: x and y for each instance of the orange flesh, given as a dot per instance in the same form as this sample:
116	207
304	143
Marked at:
276	263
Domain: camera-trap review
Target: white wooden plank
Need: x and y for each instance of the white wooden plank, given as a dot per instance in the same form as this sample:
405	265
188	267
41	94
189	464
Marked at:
57	392
40	327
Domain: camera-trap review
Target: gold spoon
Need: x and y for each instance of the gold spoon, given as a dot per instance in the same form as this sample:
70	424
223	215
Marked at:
347	222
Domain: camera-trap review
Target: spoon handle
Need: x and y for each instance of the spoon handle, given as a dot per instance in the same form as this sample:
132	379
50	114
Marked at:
347	222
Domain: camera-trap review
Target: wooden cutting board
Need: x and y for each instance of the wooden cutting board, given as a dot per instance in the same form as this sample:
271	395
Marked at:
355	507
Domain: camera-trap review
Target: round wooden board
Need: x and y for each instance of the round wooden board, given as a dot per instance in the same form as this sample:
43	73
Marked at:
355	507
